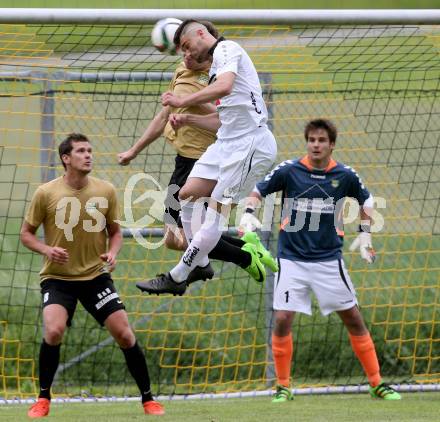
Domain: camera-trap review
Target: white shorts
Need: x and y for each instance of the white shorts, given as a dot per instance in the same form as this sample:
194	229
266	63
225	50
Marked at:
328	280
237	164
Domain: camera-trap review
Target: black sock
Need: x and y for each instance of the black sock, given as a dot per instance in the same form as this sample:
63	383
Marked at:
137	365
49	359
226	251
236	241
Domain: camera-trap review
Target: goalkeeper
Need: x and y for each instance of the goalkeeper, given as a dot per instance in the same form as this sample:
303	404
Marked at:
310	251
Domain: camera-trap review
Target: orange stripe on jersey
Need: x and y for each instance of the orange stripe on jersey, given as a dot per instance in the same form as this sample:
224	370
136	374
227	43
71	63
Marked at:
284	223
340	232
305	161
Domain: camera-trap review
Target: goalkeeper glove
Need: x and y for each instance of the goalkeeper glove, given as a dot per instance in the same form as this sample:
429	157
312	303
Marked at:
248	222
364	243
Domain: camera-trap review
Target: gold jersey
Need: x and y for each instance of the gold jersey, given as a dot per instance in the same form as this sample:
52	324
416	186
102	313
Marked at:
75	220
189	141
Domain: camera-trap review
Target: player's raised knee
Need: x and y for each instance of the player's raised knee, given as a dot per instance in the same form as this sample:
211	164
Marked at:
185	192
175	244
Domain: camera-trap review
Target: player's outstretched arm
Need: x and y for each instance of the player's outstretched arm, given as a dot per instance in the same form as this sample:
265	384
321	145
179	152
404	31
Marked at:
363	241
30	240
209	122
220	88
153	131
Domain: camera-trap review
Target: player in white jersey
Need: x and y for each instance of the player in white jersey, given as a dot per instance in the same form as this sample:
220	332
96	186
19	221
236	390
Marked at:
245	149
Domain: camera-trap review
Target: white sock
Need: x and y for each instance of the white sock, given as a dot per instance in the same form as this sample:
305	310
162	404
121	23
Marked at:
192	215
203	242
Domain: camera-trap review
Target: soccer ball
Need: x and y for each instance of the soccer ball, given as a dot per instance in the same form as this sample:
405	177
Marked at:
163	33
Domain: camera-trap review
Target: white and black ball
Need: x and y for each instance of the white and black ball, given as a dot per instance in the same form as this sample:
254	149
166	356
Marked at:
163	33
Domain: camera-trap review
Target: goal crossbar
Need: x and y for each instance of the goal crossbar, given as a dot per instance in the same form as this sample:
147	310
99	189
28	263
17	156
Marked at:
230	16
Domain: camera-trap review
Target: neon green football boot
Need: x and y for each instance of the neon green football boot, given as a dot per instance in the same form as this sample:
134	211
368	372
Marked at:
265	256
385	392
255	269
282	394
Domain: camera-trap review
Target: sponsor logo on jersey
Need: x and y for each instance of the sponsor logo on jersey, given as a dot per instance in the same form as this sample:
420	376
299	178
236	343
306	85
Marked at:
317	176
203	79
324	205
315	205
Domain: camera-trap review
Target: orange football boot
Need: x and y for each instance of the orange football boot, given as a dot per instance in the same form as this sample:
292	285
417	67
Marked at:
39	409
153	408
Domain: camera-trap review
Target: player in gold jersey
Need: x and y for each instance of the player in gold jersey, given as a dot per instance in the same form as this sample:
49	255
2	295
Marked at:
79	216
189	142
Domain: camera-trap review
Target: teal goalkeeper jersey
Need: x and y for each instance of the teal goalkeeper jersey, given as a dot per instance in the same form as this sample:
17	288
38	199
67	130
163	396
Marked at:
312	207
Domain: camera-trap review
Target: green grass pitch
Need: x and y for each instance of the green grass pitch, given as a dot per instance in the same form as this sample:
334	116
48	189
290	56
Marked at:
414	407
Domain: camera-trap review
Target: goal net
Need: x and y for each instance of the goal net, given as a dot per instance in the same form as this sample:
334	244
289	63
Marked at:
378	83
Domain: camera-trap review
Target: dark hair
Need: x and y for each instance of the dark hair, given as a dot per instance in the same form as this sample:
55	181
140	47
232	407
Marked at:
209	26
67	145
325	124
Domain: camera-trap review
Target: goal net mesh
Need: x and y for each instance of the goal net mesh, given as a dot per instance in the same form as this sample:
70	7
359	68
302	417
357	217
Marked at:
378	84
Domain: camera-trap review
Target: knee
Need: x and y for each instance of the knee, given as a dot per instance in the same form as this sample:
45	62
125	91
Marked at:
184	193
356	328
283	324
353	321
53	334
125	338
172	242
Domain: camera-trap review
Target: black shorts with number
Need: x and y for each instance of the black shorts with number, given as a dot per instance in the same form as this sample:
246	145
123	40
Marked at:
181	172
98	296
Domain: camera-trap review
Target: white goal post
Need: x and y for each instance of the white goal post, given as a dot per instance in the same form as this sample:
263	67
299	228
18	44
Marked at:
226	16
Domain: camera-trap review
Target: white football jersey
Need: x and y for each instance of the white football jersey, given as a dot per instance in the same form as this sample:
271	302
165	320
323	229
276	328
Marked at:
243	110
